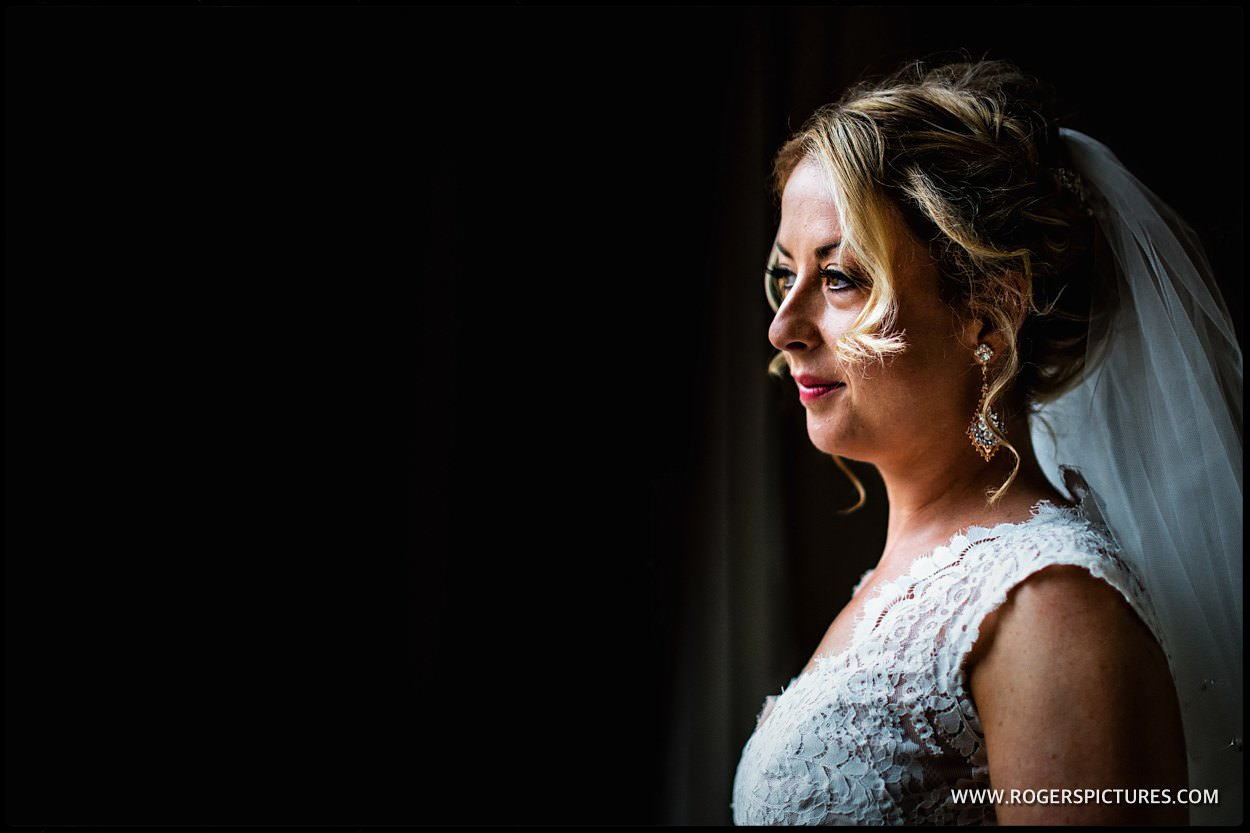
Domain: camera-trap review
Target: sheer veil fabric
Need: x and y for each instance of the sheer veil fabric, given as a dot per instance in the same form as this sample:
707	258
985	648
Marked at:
1154	427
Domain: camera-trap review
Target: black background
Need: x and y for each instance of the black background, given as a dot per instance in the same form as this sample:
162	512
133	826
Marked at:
357	359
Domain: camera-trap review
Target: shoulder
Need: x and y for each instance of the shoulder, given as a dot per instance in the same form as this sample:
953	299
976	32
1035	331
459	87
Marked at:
1066	608
1061	560
1072	690
1056	607
1057	581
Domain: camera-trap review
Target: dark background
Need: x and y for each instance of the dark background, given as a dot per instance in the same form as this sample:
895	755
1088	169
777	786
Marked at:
375	385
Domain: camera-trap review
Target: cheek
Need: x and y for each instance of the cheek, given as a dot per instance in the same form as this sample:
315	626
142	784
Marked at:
933	348
835	322
917	385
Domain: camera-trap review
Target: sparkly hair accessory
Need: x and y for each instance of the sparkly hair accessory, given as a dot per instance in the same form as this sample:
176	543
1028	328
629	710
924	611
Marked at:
1069	180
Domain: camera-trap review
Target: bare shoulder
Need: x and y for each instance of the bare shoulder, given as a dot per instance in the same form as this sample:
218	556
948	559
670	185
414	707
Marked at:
1064	607
1047	598
1073	691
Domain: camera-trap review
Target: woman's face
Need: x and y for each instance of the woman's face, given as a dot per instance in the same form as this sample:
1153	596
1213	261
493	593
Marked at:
898	413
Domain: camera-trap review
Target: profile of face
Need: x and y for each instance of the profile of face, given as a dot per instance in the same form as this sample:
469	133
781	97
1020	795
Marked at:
897	413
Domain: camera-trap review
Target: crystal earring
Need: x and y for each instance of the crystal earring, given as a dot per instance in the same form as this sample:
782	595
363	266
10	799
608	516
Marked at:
983	439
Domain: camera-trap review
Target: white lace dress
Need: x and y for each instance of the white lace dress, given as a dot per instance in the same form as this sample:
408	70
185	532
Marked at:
881	732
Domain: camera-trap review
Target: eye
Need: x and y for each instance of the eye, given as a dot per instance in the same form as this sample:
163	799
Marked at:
840	280
780	282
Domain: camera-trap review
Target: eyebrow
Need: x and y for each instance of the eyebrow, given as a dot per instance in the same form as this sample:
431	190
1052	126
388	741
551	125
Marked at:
821	252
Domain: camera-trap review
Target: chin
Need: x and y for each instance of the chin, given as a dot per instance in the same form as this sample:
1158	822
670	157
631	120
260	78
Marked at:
836	447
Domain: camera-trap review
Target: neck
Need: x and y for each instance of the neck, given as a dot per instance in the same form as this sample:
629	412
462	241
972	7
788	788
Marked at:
935	494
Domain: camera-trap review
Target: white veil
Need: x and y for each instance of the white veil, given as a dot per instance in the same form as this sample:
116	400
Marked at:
1154	428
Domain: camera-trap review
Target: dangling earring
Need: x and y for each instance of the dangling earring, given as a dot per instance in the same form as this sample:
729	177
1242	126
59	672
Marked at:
983	440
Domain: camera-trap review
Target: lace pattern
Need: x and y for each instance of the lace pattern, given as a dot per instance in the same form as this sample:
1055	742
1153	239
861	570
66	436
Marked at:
882	731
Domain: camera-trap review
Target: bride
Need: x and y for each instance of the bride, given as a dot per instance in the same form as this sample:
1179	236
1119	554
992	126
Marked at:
946	292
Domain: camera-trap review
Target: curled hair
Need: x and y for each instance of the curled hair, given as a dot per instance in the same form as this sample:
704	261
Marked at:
967	156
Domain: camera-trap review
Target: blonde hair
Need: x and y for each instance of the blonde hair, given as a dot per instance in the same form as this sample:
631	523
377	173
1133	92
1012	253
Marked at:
966	157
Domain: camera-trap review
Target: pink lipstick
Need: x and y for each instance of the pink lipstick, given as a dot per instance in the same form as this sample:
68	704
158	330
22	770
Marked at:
812	388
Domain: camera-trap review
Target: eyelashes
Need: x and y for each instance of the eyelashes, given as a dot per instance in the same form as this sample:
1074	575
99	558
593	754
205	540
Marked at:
781	281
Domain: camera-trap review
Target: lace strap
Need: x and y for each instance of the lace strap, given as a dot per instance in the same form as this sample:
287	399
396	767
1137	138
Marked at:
999	568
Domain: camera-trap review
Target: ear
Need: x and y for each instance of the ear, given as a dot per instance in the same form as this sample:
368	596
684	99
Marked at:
977	331
989	334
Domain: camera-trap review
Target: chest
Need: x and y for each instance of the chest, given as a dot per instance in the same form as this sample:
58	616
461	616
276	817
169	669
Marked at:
895	602
877	729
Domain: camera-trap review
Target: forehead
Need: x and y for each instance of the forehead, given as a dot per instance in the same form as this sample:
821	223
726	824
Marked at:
808	209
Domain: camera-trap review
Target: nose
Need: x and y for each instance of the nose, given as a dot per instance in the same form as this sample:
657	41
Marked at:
794	326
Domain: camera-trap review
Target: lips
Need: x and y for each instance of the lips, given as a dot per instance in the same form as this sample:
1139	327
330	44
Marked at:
812	388
809	381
